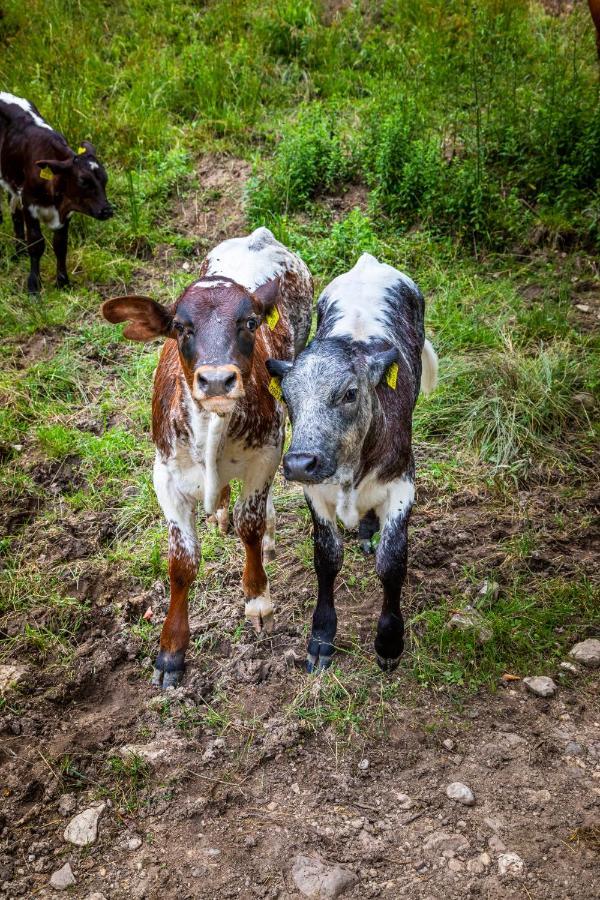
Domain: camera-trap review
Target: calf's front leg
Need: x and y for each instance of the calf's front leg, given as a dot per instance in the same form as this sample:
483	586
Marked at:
60	241
390	564
35	248
328	559
250	521
184	556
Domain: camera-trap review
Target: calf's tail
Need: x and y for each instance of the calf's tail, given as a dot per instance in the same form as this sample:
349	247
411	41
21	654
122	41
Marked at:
429	370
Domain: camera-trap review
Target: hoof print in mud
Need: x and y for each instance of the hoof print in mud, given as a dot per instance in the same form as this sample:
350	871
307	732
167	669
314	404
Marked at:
319	654
168	670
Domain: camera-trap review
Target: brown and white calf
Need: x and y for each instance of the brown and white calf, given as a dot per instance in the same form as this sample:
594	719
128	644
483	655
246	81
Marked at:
213	416
47	182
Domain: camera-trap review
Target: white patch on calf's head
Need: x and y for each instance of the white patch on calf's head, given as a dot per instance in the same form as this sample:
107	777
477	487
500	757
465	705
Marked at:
251	260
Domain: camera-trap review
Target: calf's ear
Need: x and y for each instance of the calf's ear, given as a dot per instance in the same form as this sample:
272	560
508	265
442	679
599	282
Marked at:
278	367
379	363
147	319
267	294
56	166
89	148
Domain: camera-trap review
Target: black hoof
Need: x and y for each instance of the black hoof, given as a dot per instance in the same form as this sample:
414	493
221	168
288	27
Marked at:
319	654
388	665
62	283
168	670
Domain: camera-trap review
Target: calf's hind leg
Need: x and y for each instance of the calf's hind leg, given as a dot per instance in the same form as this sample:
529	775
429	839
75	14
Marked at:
184	556
390	564
328	558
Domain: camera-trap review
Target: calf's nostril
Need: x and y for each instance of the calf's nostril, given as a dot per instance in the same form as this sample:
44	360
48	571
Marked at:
310	464
229	383
202	382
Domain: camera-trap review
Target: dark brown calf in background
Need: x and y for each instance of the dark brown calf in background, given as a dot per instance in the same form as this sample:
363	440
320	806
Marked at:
214	418
47	182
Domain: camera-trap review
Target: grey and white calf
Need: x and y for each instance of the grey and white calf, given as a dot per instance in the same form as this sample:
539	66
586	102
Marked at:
350	397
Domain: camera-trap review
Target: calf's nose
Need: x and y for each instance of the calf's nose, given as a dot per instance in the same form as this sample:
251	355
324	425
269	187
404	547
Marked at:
107	212
301	466
216	382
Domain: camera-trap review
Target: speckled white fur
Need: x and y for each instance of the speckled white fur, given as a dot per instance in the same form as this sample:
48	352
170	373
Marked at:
48	215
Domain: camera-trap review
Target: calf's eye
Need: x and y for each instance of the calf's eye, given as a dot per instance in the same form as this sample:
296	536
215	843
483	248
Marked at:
251	324
350	395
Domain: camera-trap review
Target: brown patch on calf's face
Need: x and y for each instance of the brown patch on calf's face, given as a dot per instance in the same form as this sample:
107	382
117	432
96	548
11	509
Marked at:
215	325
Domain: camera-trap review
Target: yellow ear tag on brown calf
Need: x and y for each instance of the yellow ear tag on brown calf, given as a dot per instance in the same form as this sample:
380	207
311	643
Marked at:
392	376
272	318
47	173
80	150
275	389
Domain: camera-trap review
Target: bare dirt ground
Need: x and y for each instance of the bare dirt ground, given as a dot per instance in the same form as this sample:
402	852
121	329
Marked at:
221	787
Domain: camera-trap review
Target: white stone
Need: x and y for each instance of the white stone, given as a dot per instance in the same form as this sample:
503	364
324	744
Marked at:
569	667
82	830
587	652
95	896
510	864
404	801
448	744
540	685
363	765
63	878
314	879
460	792
134	843
470	619
10	677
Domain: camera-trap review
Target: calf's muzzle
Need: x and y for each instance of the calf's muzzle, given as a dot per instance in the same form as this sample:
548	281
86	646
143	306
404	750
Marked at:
218	387
310	468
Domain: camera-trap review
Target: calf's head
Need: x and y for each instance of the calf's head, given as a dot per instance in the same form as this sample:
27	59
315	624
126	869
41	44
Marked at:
330	394
214	322
79	183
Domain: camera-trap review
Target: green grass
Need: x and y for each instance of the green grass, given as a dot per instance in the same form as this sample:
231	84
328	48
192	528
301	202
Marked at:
457	142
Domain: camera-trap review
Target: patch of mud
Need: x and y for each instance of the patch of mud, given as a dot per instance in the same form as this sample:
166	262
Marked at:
215	211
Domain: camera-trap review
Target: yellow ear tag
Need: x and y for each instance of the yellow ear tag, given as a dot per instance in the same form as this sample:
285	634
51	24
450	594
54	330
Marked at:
275	389
47	173
392	376
80	150
272	318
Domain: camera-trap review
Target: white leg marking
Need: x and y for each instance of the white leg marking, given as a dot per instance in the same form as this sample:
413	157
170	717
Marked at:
179	509
268	546
259	611
217	429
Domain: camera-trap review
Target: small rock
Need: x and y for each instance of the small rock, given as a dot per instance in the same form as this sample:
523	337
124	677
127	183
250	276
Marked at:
460	792
448	744
540	685
404	801
455	865
587	652
95	896
10	677
470	619
496	844
490	589
510	864
82	830
446	840
363	765
314	879
63	878
135	842
573	749
67	804
569	667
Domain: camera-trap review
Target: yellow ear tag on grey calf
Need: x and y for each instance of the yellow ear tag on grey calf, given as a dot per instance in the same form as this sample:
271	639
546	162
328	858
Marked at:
275	389
46	173
272	318
80	150
392	376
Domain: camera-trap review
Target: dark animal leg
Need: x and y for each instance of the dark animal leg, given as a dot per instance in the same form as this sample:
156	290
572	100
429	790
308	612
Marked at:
328	558
367	529
60	240
250	520
35	248
390	565
19	229
184	556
